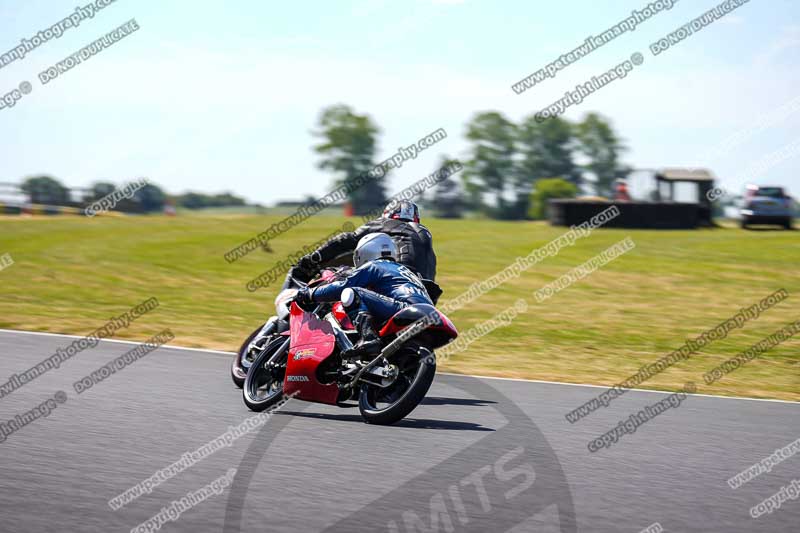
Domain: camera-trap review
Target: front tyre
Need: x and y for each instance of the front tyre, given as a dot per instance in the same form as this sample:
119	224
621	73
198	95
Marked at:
263	386
387	406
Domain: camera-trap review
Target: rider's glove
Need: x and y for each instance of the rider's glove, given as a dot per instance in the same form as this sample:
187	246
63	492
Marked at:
307	265
305	298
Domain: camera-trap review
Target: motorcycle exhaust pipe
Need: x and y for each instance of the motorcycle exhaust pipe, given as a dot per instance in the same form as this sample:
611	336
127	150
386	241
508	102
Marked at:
391	348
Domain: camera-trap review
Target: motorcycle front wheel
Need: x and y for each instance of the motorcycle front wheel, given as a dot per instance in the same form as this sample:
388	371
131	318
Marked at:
384	406
263	386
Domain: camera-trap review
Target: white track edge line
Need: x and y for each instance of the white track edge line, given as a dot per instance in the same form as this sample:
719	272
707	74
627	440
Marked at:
522	380
119	341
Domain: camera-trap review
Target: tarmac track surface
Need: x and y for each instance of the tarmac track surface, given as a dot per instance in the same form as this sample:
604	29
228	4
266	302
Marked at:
478	455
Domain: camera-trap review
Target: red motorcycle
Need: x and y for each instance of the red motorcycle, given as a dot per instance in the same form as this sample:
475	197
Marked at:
306	360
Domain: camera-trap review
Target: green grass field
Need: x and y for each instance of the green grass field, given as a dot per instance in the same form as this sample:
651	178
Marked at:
71	274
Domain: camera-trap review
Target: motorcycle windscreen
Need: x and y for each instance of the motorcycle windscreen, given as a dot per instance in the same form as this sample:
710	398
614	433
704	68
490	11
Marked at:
312	342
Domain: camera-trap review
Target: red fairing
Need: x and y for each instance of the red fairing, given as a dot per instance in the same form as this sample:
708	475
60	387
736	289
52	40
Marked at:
446	326
390	328
312	342
341	316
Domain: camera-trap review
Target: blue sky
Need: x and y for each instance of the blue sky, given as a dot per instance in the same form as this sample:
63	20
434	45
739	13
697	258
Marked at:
217	96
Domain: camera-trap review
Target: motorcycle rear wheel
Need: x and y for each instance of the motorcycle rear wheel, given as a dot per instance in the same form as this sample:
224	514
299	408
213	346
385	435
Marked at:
263	386
387	406
238	367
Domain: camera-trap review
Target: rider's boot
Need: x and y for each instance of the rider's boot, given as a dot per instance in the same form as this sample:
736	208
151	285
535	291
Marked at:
369	344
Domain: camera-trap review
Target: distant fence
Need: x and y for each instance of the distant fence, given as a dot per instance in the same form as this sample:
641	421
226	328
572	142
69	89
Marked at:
38	209
15	201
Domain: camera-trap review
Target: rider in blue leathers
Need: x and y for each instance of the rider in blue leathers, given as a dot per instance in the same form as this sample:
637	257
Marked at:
374	292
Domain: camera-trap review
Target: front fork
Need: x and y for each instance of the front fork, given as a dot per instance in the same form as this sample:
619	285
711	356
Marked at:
273	326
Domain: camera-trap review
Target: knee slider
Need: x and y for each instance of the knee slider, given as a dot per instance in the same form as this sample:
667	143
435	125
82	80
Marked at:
349	297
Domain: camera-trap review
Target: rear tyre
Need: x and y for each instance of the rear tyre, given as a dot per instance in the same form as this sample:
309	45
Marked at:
238	369
387	406
787	224
263	386
743	223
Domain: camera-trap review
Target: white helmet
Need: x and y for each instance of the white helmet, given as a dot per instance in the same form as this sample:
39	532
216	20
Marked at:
374	246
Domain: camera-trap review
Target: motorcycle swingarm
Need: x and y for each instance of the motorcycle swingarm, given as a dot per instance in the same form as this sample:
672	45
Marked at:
389	350
381	376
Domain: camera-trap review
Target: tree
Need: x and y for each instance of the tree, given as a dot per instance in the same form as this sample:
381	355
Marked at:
98	190
546	150
150	197
192	200
547	189
602	147
45	190
491	165
227	199
348	149
447	199
198	200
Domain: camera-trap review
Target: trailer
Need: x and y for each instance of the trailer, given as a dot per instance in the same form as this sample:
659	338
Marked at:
668	198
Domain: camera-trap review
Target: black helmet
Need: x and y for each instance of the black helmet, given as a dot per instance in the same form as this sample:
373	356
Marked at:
402	210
